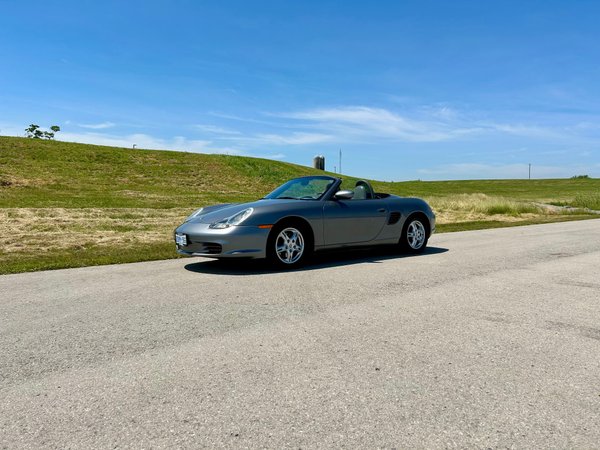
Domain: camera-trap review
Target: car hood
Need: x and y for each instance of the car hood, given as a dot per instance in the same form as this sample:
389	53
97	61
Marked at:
220	212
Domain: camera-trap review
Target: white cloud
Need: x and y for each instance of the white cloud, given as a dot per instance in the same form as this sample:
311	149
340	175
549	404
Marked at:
530	131
215	129
432	126
293	138
429	124
11	130
244	119
145	141
96	126
265	139
367	126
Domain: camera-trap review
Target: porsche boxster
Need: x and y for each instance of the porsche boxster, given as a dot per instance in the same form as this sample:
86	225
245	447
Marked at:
303	216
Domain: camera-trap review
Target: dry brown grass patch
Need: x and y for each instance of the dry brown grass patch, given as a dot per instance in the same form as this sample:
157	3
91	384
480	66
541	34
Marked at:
481	207
48	229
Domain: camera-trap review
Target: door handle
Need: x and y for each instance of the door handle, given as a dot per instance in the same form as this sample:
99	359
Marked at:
381	210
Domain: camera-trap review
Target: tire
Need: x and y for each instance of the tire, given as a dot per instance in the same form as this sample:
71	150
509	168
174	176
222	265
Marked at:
289	245
415	235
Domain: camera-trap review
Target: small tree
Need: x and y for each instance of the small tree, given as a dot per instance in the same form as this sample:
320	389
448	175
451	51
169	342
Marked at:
34	131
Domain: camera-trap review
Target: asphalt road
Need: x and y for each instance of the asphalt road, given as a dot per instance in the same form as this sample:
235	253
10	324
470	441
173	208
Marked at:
491	339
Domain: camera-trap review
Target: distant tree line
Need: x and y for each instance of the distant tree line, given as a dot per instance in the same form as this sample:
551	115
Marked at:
34	131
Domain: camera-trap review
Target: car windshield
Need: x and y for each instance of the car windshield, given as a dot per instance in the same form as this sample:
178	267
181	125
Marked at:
307	188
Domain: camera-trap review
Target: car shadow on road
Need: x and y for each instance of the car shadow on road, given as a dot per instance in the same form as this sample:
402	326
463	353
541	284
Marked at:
321	260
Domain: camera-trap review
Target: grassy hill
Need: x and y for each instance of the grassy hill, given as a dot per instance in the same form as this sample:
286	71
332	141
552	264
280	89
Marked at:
39	174
67	204
60	174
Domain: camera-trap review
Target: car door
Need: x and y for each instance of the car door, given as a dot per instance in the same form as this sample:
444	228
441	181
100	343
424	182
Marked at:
353	221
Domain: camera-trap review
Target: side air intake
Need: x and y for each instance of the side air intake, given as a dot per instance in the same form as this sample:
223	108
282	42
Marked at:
394	218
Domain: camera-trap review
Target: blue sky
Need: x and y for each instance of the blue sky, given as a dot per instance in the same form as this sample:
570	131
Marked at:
407	89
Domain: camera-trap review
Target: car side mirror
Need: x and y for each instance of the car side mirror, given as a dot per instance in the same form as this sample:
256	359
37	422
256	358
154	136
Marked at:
343	195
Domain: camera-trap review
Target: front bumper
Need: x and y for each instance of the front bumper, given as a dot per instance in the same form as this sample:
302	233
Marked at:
234	242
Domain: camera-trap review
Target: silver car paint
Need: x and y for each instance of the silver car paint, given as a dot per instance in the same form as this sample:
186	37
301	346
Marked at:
334	223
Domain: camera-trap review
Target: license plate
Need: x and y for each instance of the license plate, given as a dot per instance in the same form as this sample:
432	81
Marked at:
181	239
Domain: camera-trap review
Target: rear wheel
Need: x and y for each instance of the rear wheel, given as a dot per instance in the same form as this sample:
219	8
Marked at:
414	236
288	245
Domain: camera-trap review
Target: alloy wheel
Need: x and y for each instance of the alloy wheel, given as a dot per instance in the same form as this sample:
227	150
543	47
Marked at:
415	235
289	245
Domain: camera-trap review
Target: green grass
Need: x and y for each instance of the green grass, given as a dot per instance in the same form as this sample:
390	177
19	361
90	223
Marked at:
87	256
485	224
39	174
58	174
71	205
590	200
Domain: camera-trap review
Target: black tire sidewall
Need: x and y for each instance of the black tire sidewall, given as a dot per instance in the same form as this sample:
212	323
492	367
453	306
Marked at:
404	239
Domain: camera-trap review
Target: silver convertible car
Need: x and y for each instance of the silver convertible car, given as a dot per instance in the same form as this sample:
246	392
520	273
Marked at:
303	216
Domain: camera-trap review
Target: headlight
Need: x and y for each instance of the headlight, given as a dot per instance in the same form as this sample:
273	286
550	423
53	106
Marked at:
233	220
194	214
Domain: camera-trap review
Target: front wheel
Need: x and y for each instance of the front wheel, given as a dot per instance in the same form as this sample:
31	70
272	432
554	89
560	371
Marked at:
288	246
414	236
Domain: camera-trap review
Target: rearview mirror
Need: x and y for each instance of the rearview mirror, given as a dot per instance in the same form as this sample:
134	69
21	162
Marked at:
343	195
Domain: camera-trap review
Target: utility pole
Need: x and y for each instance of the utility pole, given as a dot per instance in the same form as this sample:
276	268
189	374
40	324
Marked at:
340	160
530	171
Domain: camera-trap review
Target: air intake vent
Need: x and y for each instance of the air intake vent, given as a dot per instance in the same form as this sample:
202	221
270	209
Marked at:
211	248
394	218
